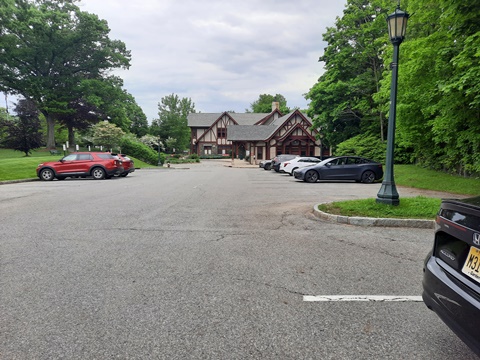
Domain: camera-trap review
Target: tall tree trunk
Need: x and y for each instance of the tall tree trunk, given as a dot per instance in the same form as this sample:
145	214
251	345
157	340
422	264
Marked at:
71	135
50	130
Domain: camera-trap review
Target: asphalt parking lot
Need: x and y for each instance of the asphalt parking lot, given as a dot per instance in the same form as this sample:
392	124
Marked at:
207	261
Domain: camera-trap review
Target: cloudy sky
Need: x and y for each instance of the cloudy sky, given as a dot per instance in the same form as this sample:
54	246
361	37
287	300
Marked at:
220	53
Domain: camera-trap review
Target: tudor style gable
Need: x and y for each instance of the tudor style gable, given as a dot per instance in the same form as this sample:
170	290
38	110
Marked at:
214	139
209	131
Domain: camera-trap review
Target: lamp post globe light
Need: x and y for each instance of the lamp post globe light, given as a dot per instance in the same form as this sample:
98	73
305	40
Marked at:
397	24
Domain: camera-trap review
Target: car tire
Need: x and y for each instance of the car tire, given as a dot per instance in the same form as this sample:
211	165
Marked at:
267	167
311	176
47	174
98	173
368	177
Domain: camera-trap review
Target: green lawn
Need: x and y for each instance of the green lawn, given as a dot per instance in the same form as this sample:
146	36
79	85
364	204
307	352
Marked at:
419	207
420	178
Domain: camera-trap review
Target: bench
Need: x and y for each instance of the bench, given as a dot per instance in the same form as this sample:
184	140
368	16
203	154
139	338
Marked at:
54	152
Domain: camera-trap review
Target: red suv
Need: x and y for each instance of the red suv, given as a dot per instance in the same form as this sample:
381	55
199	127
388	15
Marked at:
99	165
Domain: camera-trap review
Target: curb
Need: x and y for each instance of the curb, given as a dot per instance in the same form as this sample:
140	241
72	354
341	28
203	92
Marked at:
381	222
17	181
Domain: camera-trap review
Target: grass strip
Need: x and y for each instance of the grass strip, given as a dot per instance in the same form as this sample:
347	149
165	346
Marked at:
419	207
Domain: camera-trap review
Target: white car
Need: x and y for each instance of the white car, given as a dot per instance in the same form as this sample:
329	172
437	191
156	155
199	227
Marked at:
290	166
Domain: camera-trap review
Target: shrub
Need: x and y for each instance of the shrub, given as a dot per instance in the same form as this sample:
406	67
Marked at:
367	146
141	151
212	157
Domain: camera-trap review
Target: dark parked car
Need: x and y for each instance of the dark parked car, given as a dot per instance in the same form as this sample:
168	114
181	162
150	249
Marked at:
277	160
342	168
451	274
99	165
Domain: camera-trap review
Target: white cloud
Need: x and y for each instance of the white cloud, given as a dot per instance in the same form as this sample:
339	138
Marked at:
220	53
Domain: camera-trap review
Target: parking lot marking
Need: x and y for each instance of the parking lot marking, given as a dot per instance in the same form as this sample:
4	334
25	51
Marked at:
379	298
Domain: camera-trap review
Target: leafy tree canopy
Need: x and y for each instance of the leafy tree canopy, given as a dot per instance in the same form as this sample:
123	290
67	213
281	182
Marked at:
23	132
48	48
341	104
172	122
438	102
264	104
107	135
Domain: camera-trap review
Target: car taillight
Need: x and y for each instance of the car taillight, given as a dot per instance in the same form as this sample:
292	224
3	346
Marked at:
285	164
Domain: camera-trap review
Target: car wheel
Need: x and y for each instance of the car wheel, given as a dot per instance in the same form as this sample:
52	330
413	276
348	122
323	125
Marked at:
98	173
311	176
267	167
368	177
291	174
47	174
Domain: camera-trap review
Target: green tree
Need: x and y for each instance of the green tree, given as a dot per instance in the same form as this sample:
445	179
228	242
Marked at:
3	116
107	135
264	104
341	102
108	99
23	132
172	121
138	119
48	48
438	106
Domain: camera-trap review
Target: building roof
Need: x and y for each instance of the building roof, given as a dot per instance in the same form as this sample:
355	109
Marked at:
249	132
207	119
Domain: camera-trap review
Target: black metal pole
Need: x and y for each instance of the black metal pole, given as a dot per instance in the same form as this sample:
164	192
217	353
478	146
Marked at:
159	158
388	192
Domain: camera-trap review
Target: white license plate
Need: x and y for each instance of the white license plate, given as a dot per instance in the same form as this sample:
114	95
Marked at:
471	267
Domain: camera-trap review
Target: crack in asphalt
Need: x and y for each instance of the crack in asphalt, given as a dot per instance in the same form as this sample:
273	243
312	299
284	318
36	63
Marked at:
384	252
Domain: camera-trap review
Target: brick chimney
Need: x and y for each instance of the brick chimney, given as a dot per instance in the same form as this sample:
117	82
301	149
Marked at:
275	106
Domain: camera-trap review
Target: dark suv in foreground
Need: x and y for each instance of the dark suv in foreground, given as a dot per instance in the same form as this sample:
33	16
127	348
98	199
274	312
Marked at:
451	274
99	165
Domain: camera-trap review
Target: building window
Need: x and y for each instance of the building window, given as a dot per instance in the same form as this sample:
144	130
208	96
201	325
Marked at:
221	133
259	153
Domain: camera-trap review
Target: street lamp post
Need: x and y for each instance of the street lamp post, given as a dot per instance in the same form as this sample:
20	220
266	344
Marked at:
397	24
159	157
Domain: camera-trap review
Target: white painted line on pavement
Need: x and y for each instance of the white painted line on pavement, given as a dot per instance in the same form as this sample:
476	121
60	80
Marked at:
379	298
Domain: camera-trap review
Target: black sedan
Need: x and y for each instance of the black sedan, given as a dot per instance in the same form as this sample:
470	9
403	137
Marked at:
342	168
451	274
